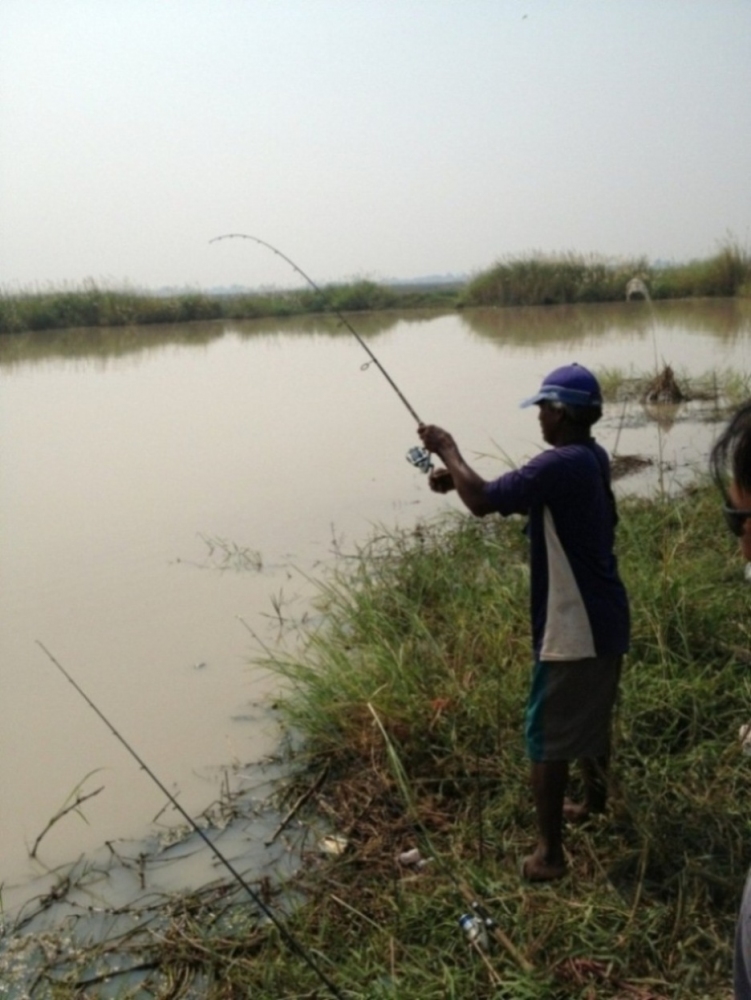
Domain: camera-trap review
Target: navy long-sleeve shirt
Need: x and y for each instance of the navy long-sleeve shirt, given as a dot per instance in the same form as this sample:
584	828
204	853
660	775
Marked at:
579	605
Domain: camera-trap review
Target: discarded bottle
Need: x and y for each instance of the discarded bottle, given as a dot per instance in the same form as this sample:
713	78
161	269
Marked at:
474	928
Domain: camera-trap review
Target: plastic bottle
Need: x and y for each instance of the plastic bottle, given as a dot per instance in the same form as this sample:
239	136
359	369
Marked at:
475	930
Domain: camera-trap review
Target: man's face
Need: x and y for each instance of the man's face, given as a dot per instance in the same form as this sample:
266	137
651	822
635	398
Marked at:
550	420
741	500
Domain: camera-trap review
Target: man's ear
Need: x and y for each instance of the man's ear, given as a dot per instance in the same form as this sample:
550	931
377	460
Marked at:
560	416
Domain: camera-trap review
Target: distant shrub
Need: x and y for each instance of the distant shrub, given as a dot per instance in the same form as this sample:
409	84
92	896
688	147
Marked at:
551	280
198	306
360	296
726	274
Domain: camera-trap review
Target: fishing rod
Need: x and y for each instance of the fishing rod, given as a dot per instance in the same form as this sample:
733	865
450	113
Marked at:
289	939
419	457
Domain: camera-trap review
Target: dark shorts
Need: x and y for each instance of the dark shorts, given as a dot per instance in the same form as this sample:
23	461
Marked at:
570	708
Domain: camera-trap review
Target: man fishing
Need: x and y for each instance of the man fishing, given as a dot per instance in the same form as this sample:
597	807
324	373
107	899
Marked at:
579	606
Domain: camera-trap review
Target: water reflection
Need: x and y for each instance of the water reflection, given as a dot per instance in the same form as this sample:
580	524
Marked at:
727	319
121	341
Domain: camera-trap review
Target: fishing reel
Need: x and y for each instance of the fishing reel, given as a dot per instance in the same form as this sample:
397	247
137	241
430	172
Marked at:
420	458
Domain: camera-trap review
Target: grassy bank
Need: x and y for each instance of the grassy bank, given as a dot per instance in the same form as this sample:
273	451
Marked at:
560	279
408	700
412	695
94	306
534	279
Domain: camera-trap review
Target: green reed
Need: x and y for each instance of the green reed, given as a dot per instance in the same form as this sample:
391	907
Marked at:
532	279
570	278
552	279
726	273
428	629
724	388
406	708
95	306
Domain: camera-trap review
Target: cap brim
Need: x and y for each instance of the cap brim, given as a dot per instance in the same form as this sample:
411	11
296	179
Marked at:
537	398
558	394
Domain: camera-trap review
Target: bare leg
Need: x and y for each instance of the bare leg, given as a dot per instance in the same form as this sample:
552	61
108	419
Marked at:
549	780
594	771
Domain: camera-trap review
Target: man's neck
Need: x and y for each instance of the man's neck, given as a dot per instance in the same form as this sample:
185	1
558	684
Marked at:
572	435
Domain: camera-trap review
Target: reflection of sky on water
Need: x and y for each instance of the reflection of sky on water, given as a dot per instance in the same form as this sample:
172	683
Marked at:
122	449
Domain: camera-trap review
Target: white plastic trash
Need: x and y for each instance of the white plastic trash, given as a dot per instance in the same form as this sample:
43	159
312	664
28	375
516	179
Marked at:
411	857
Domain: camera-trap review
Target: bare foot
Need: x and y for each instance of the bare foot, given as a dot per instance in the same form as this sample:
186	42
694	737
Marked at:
580	812
576	812
536	869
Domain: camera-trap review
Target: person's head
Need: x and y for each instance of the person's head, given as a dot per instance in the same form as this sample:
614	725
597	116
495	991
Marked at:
730	464
570	402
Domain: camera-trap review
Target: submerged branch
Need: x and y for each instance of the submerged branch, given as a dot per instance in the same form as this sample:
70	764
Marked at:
79	800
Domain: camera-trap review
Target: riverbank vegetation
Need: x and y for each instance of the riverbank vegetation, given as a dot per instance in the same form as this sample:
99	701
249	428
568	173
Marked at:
406	704
412	695
95	306
541	279
532	279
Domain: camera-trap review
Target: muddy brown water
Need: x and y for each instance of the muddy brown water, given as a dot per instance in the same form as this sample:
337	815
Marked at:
167	491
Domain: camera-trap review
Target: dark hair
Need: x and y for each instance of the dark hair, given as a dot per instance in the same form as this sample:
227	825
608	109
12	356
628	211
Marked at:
731	452
582	416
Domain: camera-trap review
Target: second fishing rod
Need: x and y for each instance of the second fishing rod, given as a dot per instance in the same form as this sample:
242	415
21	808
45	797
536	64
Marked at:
286	935
419	457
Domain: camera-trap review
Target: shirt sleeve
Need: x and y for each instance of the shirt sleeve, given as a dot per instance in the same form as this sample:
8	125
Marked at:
517	491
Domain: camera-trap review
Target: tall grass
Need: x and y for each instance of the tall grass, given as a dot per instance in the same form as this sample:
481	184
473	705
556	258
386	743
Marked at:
554	279
534	279
428	631
726	273
408	698
94	306
725	389
560	279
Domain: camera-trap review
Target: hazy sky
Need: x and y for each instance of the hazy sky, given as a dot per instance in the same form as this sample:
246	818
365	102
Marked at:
365	138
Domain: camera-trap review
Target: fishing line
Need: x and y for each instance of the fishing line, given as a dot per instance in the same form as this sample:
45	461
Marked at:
289	939
419	457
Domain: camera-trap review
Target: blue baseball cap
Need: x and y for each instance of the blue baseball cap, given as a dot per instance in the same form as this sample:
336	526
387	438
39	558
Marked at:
572	384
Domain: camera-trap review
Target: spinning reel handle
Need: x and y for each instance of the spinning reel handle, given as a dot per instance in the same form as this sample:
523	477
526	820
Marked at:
420	458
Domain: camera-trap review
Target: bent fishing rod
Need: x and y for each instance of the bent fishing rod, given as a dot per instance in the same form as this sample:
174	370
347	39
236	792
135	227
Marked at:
289	939
417	456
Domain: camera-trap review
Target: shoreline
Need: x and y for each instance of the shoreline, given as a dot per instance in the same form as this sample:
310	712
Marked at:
412	703
516	281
